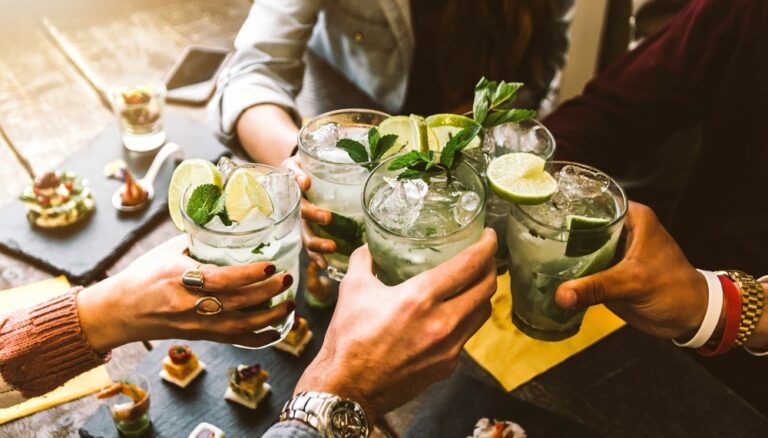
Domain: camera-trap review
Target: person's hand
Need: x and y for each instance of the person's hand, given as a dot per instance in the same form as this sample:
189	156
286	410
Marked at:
385	345
653	287
315	246
147	301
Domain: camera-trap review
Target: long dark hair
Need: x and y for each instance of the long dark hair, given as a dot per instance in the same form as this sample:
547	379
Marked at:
498	39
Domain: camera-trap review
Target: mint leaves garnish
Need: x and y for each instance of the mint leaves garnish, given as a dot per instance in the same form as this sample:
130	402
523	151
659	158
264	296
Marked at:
259	248
422	164
492	103
378	147
201	203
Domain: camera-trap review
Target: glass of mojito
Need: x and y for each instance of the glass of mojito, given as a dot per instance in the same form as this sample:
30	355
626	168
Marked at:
525	136
415	224
238	214
338	150
564	223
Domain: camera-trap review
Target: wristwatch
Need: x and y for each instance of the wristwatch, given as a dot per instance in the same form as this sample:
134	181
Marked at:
331	415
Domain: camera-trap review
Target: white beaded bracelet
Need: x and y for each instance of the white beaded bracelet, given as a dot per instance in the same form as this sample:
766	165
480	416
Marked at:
763	279
711	316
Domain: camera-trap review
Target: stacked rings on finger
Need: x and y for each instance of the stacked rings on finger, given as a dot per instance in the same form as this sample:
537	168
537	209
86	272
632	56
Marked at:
194	279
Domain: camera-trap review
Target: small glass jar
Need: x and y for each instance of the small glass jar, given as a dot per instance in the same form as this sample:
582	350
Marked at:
138	104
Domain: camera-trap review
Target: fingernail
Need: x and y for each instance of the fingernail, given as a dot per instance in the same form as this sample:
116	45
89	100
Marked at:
269	270
569	298
287	280
328	247
290	305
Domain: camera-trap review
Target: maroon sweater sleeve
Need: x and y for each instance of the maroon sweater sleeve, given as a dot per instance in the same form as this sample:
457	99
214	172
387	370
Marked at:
666	84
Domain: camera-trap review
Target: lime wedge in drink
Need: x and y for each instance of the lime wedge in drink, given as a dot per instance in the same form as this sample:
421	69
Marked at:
402	127
447	125
520	177
190	173
586	242
243	193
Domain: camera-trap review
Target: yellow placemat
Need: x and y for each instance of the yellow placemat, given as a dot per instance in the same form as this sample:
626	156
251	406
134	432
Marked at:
81	385
513	358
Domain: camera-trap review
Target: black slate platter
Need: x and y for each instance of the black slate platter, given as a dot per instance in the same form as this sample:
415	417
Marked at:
175	411
86	249
452	408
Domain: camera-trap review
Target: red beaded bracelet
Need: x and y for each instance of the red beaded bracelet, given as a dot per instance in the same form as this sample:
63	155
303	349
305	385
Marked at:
732	318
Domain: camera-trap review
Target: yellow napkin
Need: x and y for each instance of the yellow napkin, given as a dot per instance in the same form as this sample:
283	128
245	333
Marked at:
513	358
81	385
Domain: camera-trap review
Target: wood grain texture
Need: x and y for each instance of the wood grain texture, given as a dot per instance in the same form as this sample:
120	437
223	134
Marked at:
13	177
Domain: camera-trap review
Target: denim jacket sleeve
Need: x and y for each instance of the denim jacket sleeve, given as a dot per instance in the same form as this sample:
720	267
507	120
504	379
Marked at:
291	429
267	66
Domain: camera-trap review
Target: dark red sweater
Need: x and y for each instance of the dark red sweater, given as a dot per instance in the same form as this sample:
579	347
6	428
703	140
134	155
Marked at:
708	67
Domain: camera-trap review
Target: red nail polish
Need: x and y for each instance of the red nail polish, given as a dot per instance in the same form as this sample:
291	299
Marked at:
270	269
290	305
287	280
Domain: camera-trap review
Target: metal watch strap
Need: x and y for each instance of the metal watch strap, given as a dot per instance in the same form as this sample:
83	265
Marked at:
752	297
315	409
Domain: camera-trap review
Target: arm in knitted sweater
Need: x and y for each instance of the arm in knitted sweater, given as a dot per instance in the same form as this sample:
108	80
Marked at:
41	348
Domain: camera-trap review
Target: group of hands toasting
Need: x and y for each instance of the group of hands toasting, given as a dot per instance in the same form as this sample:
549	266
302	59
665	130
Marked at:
381	338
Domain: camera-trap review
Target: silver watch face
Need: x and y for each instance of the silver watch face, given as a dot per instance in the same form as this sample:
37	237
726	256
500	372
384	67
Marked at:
347	420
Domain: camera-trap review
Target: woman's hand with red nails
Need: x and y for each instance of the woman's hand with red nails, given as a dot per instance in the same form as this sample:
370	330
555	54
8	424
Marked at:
148	301
310	213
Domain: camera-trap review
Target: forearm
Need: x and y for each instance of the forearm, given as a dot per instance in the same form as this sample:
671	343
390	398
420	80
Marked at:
267	133
41	348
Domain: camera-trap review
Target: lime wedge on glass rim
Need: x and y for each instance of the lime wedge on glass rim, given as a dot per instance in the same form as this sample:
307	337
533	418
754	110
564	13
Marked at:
403	128
189	173
446	125
519	177
243	193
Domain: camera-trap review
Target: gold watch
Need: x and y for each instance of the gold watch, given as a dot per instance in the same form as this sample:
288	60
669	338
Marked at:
752	297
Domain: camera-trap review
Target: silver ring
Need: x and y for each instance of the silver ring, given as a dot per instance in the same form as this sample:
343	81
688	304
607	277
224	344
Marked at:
202	305
193	279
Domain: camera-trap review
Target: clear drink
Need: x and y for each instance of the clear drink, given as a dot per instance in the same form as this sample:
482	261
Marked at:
413	225
572	235
337	180
256	237
526	136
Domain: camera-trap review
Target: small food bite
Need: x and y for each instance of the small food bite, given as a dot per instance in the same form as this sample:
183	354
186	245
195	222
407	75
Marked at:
181	366
486	428
133	193
207	430
247	385
132	417
297	338
57	199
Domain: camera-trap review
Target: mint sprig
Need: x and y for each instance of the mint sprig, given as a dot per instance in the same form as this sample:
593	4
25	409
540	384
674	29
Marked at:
378	145
259	249
422	164
492	103
201	203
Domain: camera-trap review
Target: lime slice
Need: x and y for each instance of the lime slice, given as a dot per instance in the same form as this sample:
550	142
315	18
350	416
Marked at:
243	193
189	173
447	125
402	128
520	177
581	244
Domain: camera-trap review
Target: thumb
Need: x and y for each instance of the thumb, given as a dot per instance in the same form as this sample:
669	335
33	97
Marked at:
360	263
590	290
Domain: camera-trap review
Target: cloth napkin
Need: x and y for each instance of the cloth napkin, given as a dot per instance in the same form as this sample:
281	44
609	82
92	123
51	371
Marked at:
513	358
81	385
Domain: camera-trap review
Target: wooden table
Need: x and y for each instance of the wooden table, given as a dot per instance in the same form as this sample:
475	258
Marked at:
629	384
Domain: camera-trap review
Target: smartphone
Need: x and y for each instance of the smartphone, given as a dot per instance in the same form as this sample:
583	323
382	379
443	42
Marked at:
192	79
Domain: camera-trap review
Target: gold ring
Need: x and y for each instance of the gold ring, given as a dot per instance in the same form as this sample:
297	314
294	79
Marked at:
193	279
208	305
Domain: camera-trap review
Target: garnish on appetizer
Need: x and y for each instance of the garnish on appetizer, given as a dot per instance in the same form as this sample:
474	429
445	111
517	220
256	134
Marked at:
297	338
181	366
131	417
114	169
207	430
486	428
133	193
57	199
136	111
247	385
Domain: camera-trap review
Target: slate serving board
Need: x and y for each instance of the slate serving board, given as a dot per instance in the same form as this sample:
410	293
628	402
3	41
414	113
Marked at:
83	251
453	407
175	411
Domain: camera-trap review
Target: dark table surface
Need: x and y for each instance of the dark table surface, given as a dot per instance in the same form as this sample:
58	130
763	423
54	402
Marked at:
627	385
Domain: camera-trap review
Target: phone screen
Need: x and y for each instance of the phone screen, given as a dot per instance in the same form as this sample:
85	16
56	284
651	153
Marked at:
199	66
